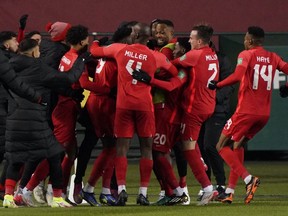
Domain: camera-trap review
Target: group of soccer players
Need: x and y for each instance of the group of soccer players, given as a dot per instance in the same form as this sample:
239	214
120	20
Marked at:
148	82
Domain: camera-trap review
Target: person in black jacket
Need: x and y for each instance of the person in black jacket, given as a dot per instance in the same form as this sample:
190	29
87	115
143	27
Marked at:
8	79
212	128
29	139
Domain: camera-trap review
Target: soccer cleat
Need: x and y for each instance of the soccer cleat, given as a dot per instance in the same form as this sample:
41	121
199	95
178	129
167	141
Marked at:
39	194
18	197
77	193
49	196
90	198
9	202
217	193
251	188
107	199
200	194
59	202
28	199
142	200
206	198
225	198
163	201
161	195
18	200
177	199
185	190
122	198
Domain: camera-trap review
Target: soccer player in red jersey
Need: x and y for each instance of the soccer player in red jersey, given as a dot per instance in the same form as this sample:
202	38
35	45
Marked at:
134	108
255	71
101	108
199	102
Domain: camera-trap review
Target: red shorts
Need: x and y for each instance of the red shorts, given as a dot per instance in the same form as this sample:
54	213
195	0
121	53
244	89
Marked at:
101	111
166	133
129	121
191	125
64	119
244	125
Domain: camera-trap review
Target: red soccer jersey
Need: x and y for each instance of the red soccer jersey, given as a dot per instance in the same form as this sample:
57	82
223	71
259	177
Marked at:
203	66
105	78
256	69
131	94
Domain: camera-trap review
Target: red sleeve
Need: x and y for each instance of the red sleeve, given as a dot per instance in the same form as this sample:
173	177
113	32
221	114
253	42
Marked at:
107	51
164	63
174	82
189	59
91	86
96	50
20	35
234	77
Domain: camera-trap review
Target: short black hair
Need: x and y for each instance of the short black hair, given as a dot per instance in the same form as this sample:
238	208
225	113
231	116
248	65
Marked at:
167	22
27	44
184	42
122	32
6	35
205	32
76	34
257	33
30	34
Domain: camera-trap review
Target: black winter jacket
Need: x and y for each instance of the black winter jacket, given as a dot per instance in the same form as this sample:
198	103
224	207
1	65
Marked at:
8	79
28	135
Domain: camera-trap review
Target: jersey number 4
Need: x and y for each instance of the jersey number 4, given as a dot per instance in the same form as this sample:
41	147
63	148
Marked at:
130	70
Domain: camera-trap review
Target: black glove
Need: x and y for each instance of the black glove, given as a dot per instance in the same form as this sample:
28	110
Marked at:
102	41
212	84
77	95
283	91
141	76
86	57
22	21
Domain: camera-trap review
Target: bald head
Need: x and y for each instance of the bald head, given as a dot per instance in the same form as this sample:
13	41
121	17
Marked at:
143	31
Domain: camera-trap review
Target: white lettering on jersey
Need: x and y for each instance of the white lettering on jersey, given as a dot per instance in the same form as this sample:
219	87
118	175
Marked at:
135	55
262	59
66	60
211	57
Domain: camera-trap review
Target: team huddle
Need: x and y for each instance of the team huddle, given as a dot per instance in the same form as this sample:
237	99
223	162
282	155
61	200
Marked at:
173	92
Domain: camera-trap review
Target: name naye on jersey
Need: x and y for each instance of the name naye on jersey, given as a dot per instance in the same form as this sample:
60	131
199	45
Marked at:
262	59
211	57
136	55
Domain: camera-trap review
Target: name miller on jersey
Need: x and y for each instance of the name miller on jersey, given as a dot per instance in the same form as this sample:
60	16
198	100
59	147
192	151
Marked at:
211	57
136	55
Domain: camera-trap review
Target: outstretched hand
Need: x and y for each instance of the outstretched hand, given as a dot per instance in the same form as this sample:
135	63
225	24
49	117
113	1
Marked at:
22	21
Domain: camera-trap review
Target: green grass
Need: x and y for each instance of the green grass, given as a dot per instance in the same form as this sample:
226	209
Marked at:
271	197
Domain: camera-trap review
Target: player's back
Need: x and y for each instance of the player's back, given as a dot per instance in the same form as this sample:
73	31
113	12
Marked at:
106	73
255	89
132	94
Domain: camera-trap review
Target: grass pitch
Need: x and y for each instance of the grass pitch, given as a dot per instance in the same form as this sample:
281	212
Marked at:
271	197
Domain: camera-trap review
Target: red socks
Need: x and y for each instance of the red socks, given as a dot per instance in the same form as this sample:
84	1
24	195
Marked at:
196	165
232	160
40	174
146	166
66	169
121	170
10	186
